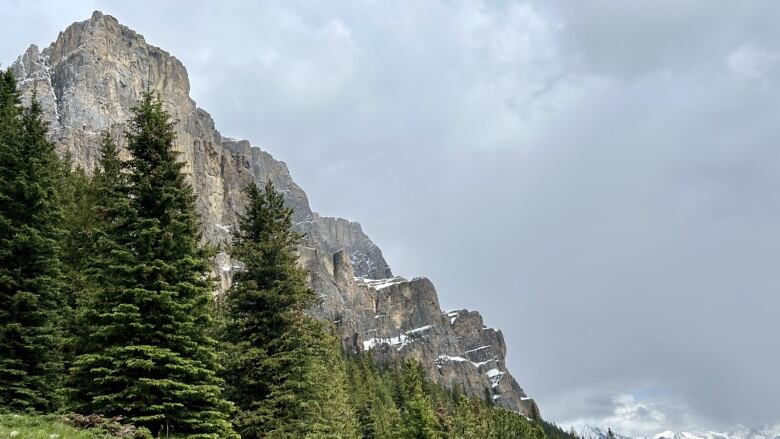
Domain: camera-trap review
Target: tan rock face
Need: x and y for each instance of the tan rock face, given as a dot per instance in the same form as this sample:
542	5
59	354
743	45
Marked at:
90	77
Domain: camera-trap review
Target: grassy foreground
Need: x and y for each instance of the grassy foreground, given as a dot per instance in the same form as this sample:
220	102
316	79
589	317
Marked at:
46	427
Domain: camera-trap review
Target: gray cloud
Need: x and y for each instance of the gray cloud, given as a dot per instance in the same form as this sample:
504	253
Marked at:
599	179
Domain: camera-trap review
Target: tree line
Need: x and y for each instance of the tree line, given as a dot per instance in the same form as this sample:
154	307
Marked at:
107	307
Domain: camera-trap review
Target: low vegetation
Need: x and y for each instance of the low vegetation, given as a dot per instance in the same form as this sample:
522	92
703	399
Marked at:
66	427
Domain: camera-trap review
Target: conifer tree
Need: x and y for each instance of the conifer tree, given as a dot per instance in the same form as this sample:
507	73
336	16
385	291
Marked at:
307	395
378	416
417	413
110	208
285	371
386	419
464	421
93	206
110	183
504	423
79	222
148	355
31	295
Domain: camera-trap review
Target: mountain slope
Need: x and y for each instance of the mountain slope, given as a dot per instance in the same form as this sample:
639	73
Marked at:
741	432
88	79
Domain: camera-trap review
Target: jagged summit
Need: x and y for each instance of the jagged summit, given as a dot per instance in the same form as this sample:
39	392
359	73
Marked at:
93	73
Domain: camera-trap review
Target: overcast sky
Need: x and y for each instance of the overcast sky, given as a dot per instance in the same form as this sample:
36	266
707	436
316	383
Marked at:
600	179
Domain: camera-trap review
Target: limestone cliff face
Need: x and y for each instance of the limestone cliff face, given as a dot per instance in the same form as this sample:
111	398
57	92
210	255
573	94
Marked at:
396	318
90	77
87	81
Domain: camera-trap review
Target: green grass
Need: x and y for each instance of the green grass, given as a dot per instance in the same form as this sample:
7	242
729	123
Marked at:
43	427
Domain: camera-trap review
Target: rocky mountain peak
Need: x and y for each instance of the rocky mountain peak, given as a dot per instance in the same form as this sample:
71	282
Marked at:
93	73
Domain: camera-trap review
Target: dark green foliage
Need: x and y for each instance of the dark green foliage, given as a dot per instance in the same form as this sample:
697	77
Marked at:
552	431
466	422
272	287
371	395
81	225
417	414
92	206
110	186
307	387
506	424
256	307
284	369
424	409
31	296
79	222
111	205
147	354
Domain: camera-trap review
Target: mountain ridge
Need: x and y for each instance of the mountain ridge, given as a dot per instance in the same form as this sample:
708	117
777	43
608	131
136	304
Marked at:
739	432
89	78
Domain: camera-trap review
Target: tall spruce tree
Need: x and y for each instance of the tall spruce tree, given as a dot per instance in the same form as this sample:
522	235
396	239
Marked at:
111	204
148	355
92	206
31	296
285	371
93	235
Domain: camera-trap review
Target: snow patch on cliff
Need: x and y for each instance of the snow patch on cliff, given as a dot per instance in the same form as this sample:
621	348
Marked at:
379	284
399	342
494	376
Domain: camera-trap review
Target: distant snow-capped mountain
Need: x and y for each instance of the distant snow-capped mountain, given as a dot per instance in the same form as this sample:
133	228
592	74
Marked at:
741	432
591	432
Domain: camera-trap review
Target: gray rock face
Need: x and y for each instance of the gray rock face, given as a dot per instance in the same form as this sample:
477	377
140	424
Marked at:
365	256
90	77
395	318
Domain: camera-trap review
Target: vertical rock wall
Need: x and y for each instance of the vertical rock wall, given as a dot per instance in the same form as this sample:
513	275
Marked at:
93	73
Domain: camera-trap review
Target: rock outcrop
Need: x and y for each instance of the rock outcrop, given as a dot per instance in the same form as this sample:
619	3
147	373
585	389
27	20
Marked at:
87	81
